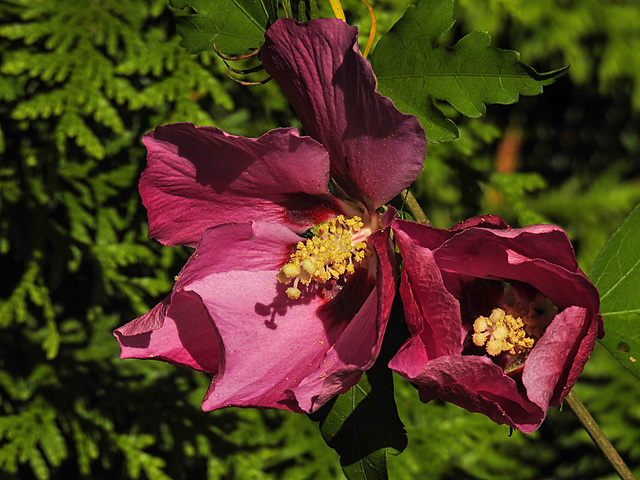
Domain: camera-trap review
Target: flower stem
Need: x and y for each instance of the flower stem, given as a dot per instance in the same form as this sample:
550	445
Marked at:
598	437
414	207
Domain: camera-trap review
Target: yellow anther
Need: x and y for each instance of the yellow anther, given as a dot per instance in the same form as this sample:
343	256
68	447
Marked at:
329	254
479	338
309	266
480	325
497	315
501	332
293	292
494	347
291	270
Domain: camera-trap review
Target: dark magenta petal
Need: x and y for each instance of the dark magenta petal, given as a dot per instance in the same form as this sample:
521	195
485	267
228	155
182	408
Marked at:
431	312
441	266
228	315
485	221
375	150
559	356
539	255
199	177
475	384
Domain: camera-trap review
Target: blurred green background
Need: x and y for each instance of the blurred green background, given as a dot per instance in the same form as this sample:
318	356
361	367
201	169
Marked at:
81	82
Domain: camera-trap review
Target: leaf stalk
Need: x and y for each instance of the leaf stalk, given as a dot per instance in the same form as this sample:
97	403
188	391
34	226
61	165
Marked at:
598	437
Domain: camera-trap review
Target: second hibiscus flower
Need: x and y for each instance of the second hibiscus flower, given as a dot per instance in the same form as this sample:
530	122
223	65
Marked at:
502	320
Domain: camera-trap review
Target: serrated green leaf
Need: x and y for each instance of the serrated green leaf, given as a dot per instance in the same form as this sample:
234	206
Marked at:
616	274
234	26
416	74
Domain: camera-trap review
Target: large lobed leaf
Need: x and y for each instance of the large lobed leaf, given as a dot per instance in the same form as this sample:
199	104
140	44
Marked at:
616	273
234	26
415	73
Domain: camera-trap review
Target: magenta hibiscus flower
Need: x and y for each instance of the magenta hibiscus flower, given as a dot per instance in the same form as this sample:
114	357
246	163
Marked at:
281	320
502	320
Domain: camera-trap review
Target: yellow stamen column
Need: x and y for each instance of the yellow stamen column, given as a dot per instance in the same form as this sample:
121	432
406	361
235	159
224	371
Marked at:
329	255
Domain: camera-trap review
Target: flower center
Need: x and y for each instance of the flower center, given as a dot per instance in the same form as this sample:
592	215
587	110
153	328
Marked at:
329	254
501	332
512	331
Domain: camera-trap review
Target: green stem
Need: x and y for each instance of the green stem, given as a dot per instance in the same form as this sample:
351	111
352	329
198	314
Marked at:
598	437
414	207
286	6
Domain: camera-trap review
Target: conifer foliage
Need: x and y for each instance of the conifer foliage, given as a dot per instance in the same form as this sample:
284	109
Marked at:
80	83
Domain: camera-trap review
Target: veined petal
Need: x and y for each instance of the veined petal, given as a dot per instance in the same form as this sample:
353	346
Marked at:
173	332
199	177
375	150
426	298
539	255
559	357
262	345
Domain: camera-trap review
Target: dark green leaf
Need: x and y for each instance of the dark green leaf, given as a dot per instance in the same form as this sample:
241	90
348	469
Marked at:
616	273
234	26
363	425
416	74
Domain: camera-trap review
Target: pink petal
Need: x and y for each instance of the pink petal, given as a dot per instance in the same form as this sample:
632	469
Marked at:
585	348
359	344
484	221
176	337
375	150
563	349
199	177
539	255
228	315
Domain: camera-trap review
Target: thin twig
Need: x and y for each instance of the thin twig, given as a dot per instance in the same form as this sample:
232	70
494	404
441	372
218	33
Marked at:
598	437
243	72
244	56
414	207
249	84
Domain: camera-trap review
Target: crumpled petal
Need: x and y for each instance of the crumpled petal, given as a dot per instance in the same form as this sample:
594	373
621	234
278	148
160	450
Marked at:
261	345
441	335
375	150
477	385
199	177
555	363
440	264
